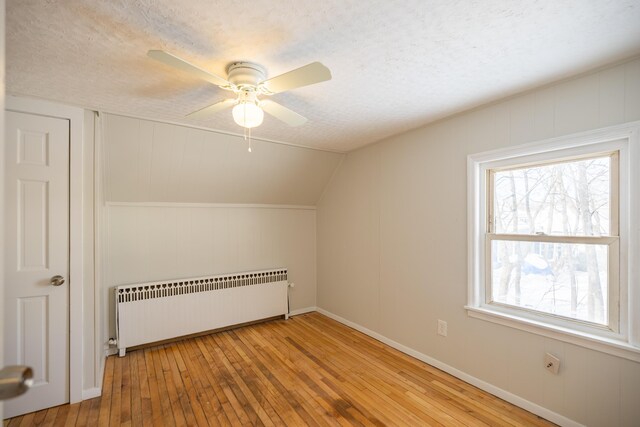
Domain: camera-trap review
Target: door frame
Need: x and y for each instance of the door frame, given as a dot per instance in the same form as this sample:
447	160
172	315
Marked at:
75	115
2	102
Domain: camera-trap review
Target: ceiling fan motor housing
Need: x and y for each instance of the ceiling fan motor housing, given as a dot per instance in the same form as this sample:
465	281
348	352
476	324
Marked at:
245	75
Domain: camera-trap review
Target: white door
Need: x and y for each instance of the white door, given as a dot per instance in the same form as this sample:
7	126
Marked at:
36	215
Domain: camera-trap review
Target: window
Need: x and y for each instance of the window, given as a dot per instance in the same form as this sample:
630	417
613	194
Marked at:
552	239
551	244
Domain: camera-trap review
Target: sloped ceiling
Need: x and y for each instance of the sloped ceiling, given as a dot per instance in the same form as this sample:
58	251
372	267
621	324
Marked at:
147	161
396	65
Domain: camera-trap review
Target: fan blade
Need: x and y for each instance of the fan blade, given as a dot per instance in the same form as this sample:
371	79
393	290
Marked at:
303	76
214	108
180	64
283	113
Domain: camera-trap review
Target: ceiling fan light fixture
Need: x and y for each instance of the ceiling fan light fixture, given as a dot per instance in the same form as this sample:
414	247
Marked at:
247	81
247	114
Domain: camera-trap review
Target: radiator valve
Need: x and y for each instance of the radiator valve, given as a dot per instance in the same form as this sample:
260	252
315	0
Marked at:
112	342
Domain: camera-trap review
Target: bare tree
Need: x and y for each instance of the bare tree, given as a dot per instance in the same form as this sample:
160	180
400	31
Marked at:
595	300
517	247
567	257
503	252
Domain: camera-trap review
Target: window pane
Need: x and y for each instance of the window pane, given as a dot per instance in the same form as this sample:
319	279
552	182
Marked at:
570	199
564	279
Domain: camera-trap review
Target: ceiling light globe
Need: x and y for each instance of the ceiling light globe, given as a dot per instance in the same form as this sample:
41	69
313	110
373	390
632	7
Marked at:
248	114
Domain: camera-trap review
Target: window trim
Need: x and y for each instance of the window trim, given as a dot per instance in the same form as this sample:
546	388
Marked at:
624	340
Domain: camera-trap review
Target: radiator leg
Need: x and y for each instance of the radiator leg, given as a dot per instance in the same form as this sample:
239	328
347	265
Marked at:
121	352
286	316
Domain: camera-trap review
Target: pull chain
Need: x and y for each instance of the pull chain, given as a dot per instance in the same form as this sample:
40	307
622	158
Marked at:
247	131
247	137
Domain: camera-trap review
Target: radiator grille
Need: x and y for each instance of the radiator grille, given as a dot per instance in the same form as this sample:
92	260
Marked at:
137	292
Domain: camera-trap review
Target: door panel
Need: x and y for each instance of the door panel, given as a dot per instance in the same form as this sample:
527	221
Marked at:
32	323
33	201
36	326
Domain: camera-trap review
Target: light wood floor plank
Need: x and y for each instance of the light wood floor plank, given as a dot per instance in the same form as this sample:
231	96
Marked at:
125	391
61	416
261	394
209	403
167	418
116	395
38	418
72	415
136	399
146	406
50	417
172	391
107	390
282	378
94	413
360	381
154	395
225	415
294	365
189	401
28	420
290	413
308	370
235	401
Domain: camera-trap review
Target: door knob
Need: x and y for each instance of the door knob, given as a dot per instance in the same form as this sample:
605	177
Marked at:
57	280
14	381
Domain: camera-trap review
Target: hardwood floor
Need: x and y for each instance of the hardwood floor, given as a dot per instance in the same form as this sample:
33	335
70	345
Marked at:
309	370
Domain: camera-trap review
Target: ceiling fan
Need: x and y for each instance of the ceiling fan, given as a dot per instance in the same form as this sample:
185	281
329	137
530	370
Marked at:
248	82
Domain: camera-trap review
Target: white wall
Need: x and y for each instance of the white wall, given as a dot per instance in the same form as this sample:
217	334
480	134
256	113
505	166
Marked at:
392	247
183	202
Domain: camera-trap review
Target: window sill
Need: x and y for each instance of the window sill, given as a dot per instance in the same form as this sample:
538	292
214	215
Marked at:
605	345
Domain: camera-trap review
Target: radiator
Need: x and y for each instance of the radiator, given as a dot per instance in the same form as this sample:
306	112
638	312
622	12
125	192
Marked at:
157	311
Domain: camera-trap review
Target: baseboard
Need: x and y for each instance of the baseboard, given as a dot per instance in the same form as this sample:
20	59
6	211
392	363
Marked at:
302	311
94	392
91	393
110	352
490	388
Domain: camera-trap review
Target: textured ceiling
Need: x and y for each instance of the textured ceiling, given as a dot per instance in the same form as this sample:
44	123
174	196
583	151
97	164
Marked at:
396	65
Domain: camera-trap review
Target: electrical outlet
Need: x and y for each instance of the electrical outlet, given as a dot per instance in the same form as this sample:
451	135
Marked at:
442	328
551	363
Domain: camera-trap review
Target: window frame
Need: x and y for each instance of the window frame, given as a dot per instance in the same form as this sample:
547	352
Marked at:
622	336
612	241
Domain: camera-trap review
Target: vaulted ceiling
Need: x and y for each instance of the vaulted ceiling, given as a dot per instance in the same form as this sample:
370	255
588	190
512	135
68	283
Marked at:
396	65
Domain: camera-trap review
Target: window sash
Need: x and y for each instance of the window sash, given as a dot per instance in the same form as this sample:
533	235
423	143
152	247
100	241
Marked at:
614	189
612	241
613	287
